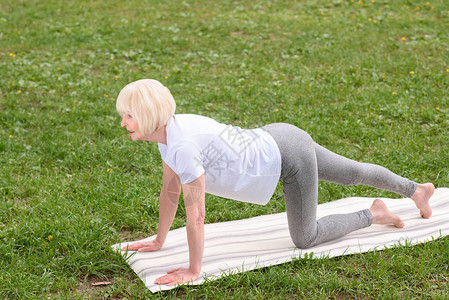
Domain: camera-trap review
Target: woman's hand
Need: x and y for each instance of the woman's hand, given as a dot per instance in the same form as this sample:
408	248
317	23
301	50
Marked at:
143	246
177	276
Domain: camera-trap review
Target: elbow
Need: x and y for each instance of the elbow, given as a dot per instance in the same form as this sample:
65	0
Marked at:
196	220
200	218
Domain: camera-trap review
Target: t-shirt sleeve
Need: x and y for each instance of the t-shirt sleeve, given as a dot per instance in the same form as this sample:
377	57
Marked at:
188	162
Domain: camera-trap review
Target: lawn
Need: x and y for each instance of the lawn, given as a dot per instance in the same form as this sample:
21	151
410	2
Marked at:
367	79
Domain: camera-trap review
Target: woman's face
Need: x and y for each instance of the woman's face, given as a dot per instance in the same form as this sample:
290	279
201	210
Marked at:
131	125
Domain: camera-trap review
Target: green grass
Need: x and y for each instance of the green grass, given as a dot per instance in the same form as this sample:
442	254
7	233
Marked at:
366	79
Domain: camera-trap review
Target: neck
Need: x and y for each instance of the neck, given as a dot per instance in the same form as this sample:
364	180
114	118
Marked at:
158	136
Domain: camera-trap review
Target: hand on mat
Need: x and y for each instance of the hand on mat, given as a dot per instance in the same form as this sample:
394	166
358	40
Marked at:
143	246
177	276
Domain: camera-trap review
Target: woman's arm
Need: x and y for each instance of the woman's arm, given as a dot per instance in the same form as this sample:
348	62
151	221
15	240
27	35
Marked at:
194	195
168	202
168	205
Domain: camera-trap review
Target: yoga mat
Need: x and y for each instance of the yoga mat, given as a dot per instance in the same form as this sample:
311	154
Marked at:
243	245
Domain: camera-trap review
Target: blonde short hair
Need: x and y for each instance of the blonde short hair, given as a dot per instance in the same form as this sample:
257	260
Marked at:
149	102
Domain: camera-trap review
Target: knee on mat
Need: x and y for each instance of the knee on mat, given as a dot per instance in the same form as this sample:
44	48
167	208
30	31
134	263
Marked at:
302	243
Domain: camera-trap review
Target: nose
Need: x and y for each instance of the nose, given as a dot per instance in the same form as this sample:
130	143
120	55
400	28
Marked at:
123	124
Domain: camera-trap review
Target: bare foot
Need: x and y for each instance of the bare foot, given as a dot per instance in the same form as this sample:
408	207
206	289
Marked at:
422	196
381	215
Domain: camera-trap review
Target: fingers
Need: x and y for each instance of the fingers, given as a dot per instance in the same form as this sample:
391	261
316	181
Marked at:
176	282
147	249
174	270
167	279
171	280
142	246
133	247
139	246
176	276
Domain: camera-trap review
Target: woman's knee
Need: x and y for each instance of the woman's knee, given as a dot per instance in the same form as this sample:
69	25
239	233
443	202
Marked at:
301	243
302	237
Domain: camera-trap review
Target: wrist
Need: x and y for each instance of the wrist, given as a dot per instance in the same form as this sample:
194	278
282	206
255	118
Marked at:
159	241
196	270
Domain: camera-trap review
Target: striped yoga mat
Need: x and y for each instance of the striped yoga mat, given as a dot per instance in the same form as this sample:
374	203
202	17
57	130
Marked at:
243	245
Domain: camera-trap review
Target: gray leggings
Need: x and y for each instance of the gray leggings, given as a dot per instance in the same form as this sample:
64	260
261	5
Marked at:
304	162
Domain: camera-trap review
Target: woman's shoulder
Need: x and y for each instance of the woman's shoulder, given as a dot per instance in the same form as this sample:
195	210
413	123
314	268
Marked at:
191	124
192	118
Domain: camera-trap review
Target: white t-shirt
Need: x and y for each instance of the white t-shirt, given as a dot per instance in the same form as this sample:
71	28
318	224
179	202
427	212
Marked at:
238	164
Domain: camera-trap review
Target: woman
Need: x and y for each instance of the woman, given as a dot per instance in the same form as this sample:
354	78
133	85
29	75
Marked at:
201	155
